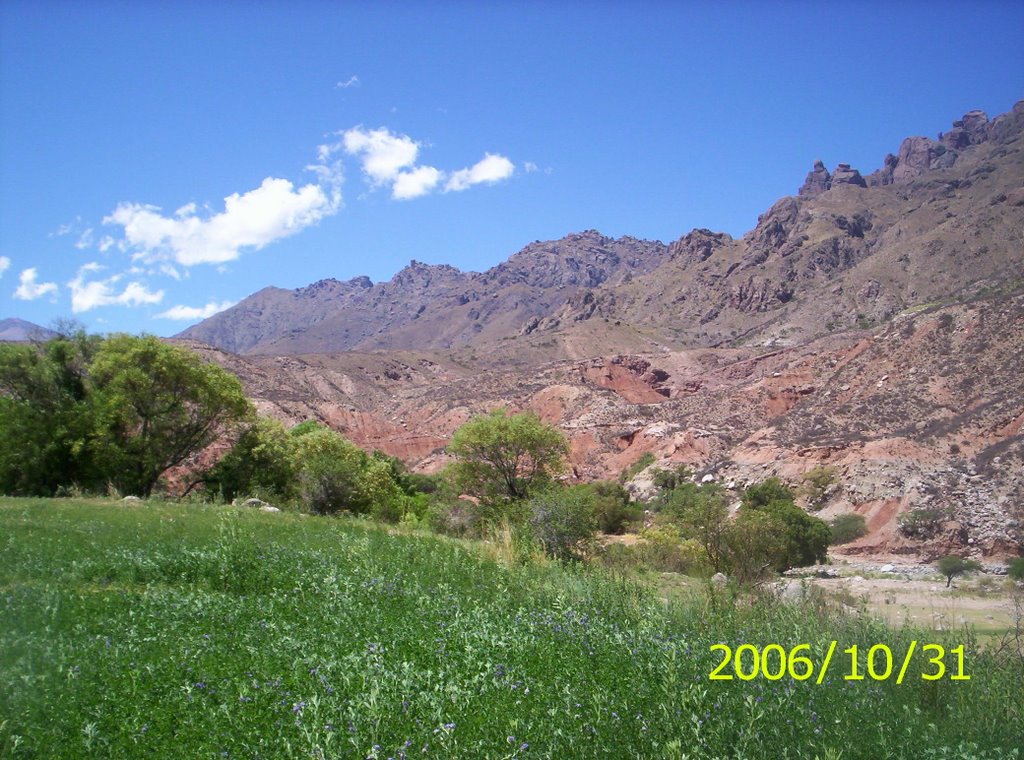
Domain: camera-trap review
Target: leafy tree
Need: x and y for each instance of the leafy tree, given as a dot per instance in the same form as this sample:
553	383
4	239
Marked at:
46	415
504	458
703	513
259	464
754	545
335	475
803	539
763	493
1016	569
669	480
952	566
156	405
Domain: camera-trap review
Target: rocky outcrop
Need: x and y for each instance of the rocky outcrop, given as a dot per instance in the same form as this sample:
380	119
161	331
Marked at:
972	129
696	246
818	181
844	175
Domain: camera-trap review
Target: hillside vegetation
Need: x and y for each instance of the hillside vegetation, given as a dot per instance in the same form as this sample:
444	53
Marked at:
197	631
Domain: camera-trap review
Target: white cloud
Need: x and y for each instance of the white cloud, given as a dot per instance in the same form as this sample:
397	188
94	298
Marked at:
491	168
390	159
383	154
529	167
89	295
414	183
29	289
352	81
195	312
84	240
274	210
5	264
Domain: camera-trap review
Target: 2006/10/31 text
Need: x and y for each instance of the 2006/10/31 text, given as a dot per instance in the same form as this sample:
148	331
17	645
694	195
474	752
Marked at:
774	663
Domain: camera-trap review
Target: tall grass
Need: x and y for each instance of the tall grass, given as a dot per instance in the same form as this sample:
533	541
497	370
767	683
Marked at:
160	631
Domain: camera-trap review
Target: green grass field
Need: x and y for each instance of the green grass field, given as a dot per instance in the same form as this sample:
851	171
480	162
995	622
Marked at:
193	631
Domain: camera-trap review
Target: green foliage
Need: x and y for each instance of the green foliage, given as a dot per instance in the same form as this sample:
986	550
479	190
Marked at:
1016	569
334	475
504	458
763	493
81	412
816	486
952	566
563	522
702	511
847	527
669	480
46	416
259	464
665	549
637	467
156	404
922	523
191	632
797	539
613	509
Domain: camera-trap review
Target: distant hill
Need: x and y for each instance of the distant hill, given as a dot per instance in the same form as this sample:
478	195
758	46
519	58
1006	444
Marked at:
939	218
16	330
428	306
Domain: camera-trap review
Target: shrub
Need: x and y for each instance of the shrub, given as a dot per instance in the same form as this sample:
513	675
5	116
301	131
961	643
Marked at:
1016	569
922	523
613	509
505	458
666	550
636	468
847	527
817	486
563	522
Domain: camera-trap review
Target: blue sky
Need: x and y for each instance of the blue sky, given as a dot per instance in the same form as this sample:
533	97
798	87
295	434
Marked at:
162	160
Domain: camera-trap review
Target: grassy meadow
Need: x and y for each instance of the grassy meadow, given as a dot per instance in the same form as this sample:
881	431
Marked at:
163	630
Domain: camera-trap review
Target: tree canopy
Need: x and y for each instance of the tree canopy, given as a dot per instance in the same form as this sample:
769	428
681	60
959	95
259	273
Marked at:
82	411
503	457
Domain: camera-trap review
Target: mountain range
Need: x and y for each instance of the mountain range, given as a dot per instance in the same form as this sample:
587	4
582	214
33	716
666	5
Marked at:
870	323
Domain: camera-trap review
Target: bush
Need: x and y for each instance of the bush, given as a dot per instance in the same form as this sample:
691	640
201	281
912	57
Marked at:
847	527
613	509
817	486
1016	569
563	521
666	550
636	468
922	523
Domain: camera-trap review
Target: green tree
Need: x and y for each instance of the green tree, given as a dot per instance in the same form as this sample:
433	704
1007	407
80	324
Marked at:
803	539
505	458
703	513
763	493
46	415
952	566
260	464
156	405
335	475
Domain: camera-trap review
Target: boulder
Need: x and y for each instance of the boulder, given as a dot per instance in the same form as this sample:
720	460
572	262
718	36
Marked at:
719	579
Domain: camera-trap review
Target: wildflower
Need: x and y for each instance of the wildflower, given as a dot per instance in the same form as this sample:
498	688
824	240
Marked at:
298	707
